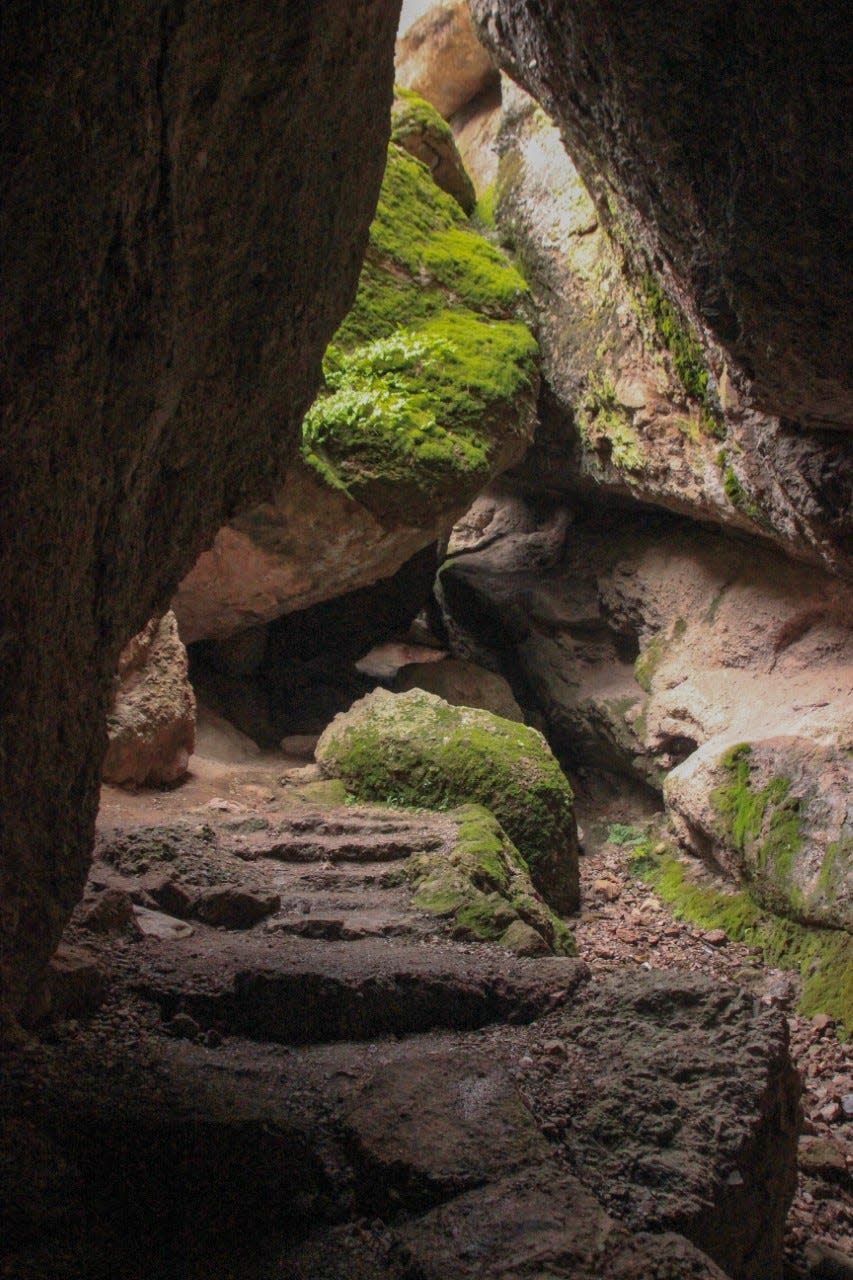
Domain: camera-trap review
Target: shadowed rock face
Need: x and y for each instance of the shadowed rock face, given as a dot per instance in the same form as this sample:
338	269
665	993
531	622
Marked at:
715	133
182	229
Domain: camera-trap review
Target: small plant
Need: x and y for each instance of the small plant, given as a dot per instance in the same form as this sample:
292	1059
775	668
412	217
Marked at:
627	837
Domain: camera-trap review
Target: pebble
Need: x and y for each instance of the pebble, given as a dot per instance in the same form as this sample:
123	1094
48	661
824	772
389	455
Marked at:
847	1106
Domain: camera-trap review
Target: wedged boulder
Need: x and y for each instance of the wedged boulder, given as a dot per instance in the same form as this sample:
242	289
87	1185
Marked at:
776	814
640	405
462	684
697	137
416	749
419	129
152	723
430	389
441	58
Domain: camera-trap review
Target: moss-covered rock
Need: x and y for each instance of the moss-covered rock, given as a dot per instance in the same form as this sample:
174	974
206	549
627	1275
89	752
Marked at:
775	814
430	390
415	749
419	129
483	889
431	380
823	957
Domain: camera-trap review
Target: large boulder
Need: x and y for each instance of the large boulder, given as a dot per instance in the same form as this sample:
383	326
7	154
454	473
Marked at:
163	325
151	725
430	390
639	403
718	139
413	748
441	58
776	814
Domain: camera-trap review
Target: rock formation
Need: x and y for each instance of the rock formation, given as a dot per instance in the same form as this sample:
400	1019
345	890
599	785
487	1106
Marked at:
415	748
661	109
151	726
430	389
163	327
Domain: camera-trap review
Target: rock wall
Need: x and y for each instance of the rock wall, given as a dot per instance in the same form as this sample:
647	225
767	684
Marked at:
182	230
716	135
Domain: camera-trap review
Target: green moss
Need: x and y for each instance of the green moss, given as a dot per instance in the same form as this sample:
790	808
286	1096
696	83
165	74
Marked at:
484	210
835	860
428	373
482	885
626	836
413	114
823	957
418	747
601	417
686	353
736	493
648	662
411	418
764	826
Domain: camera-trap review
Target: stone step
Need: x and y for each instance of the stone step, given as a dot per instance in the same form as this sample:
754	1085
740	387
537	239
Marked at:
351	924
294	990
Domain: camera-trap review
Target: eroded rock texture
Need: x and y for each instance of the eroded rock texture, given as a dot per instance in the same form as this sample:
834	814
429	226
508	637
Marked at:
182	230
716	134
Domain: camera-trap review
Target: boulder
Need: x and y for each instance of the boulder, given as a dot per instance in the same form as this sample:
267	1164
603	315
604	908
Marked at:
431	387
441	58
699	141
152	723
639	404
462	684
416	749
777	814
162	341
419	129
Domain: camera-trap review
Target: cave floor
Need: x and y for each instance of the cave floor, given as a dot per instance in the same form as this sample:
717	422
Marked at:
344	1090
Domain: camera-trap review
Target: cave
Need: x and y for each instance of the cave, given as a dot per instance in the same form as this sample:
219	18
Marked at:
425	524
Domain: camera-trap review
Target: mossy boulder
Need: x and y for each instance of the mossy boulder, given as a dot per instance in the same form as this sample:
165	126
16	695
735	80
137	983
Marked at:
430	389
482	888
775	814
431	381
419	129
415	749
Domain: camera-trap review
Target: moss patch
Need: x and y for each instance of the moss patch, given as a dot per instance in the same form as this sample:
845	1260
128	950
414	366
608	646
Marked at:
683	346
823	957
762	825
418	749
648	662
482	886
605	425
430	372
736	493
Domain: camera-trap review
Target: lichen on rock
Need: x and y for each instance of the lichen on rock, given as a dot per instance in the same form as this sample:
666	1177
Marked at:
415	749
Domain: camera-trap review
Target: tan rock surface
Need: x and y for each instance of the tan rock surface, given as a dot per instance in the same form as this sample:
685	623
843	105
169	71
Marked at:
152	723
441	58
462	684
